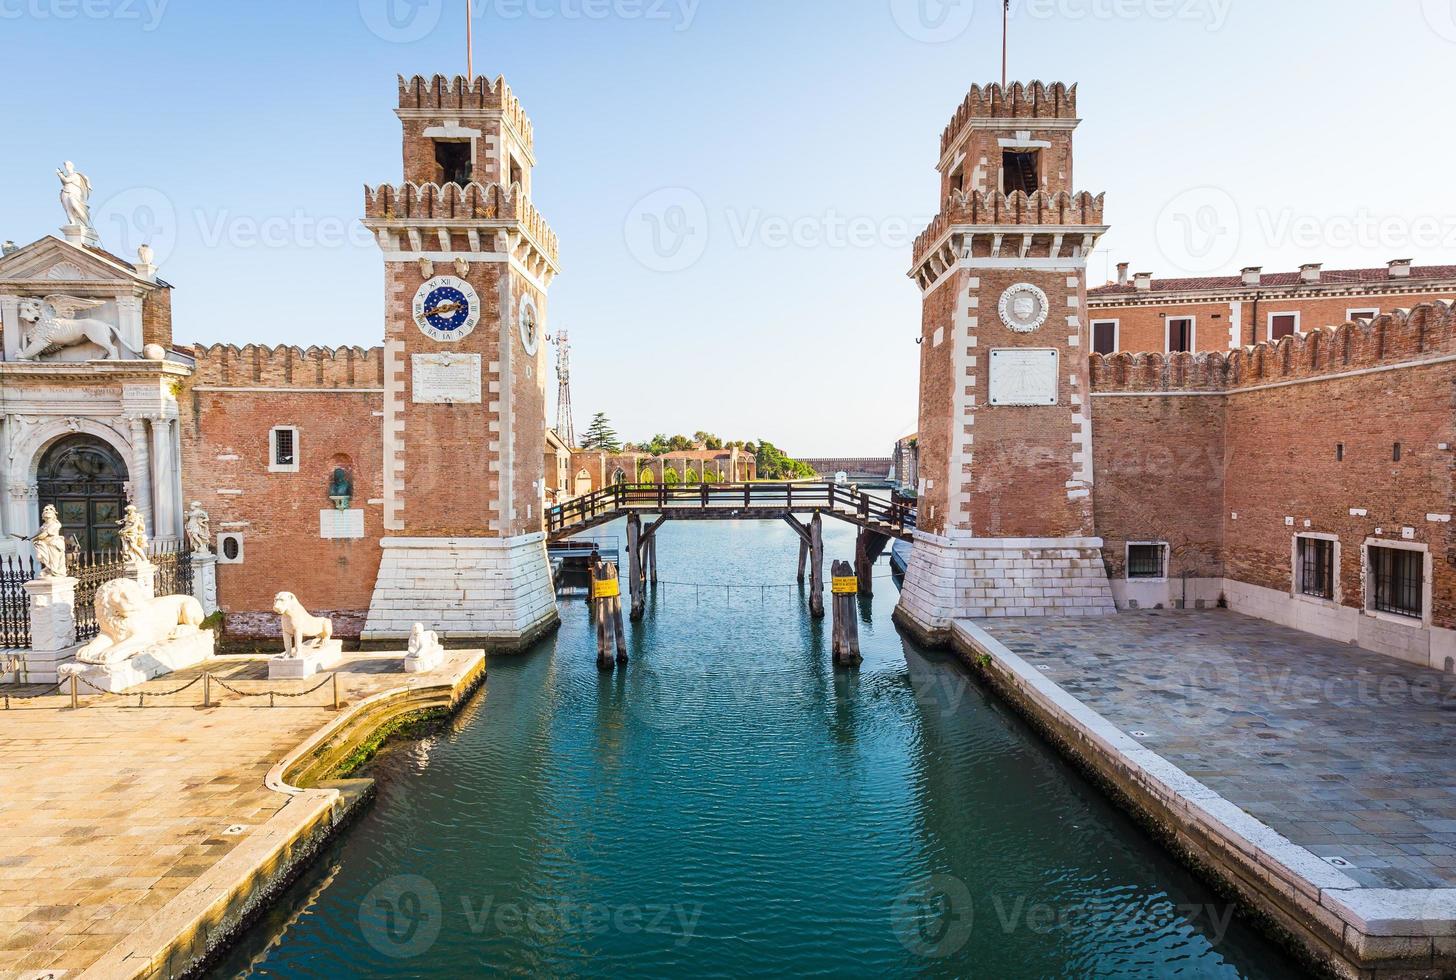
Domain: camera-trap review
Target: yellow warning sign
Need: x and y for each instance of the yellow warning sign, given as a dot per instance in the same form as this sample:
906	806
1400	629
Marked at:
607	590
846	586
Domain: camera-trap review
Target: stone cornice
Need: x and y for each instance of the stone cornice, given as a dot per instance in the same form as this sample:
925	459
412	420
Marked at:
1247	294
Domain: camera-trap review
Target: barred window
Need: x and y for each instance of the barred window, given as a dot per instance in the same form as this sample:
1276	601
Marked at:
1317	567
1398	577
283	449
1146	560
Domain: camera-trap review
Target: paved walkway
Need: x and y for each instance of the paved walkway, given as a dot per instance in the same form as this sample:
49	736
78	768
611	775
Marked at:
108	812
1349	754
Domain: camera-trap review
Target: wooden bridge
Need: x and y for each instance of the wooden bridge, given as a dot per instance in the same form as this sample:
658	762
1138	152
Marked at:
879	521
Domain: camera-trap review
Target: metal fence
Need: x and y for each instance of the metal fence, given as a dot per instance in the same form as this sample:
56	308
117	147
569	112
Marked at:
14	603
174	569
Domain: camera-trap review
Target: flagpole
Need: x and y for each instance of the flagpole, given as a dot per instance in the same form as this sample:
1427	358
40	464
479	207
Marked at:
469	43
1005	30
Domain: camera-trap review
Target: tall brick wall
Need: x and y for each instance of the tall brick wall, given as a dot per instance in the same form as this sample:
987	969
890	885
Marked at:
937	403
1260	445
227	411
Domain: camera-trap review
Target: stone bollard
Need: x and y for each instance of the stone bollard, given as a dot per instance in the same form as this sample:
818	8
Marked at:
52	629
204	580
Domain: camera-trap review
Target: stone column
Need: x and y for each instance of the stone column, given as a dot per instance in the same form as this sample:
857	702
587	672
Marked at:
165	507
141	472
204	581
10	324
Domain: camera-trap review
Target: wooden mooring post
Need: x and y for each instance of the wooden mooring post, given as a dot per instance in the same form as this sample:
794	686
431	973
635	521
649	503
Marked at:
845	628
607	610
803	559
868	547
816	566
634	566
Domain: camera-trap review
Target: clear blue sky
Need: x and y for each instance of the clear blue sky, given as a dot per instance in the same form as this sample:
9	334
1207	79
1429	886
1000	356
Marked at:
785	147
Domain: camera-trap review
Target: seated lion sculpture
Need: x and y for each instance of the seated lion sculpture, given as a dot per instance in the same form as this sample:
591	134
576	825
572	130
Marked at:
131	623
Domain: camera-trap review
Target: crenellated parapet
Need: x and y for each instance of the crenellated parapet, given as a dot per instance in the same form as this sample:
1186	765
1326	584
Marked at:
466	96
1019	100
254	365
474	212
996	225
1411	336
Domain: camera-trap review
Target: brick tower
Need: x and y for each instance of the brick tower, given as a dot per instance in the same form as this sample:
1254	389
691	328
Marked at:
1006	475
468	262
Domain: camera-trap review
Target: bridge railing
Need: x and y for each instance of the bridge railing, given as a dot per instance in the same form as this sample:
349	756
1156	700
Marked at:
614	500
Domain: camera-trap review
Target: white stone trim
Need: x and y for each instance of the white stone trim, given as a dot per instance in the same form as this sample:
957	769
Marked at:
273	465
1367	578
1192	333
1296	569
1116	332
1269	323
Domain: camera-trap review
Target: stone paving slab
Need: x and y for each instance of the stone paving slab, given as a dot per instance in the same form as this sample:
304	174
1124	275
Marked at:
1348	754
108	812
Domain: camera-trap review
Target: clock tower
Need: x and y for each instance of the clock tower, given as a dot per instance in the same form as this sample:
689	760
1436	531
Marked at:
1006	477
468	262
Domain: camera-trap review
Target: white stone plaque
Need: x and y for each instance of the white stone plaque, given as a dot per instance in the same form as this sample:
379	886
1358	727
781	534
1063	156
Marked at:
446	379
336	524
1024	377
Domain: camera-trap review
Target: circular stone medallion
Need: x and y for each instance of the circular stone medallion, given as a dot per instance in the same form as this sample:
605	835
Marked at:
1024	308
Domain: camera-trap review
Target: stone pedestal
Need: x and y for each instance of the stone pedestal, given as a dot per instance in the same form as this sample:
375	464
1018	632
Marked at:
204	581
493	591
81	235
313	659
992	578
52	632
143	573
188	649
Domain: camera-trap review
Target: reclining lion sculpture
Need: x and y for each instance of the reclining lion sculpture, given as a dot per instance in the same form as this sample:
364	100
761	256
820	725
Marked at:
131	623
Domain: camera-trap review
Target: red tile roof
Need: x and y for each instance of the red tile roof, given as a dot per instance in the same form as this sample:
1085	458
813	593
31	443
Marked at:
1328	277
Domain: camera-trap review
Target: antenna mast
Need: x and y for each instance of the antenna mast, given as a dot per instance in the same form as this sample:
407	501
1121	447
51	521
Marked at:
565	427
469	42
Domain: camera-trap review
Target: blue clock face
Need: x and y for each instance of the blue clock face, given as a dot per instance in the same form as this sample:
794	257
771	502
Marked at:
446	309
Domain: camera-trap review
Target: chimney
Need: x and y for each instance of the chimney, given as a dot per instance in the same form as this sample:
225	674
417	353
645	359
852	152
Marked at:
1400	269
1253	275
1311	272
1144	281
1122	268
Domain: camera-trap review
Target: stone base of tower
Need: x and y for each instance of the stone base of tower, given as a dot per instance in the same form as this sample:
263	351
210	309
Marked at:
980	578
493	592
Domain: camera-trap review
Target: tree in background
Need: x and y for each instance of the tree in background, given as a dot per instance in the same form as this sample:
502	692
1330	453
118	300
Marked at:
773	464
600	435
707	440
669	475
692	477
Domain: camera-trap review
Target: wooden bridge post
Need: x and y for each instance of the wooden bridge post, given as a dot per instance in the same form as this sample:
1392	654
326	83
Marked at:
803	558
816	566
864	566
634	565
652	557
607	610
845	630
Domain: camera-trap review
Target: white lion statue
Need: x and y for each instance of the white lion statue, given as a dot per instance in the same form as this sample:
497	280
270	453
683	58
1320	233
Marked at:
298	625
131	623
57	323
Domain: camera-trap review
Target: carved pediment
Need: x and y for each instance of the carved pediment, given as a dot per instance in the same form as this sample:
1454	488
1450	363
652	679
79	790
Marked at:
51	260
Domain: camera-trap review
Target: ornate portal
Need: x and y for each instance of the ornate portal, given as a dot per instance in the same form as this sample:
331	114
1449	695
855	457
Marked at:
1024	308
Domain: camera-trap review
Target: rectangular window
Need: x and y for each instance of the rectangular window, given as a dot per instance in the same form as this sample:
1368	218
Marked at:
283	449
1180	335
1283	325
1104	336
452	162
1397	577
1366	314
1317	567
1146	560
1019	172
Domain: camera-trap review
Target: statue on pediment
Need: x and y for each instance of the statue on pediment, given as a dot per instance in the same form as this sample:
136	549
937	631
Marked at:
75	196
56	322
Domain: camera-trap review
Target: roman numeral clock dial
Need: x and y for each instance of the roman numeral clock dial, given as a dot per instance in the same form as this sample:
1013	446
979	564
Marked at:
446	309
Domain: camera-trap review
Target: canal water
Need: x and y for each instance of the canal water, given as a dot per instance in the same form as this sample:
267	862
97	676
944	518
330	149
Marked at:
730	805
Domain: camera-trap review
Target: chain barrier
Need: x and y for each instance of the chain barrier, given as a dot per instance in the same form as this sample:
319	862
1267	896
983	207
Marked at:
32	697
206	679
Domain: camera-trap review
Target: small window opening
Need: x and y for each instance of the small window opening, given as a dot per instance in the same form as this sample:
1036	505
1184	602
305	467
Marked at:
1019	172
453	160
1104	337
1399	585
1317	567
518	176
1340	453
283	454
1145	560
230	549
1283	325
1395	453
